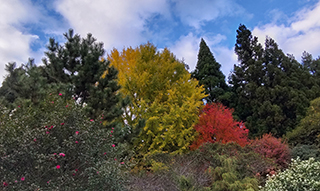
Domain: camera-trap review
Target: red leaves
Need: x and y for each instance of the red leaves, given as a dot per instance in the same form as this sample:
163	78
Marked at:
216	124
272	148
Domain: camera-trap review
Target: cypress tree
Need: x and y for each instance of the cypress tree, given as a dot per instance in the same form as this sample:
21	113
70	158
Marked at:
209	75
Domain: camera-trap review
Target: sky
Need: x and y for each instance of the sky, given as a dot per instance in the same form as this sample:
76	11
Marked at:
179	25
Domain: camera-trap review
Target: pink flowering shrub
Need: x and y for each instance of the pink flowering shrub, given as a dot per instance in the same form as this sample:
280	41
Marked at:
53	147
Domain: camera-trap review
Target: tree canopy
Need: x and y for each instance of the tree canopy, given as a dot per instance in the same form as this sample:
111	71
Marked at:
162	93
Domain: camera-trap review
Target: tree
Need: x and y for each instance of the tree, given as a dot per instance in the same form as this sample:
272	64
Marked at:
162	94
246	77
308	130
216	124
271	90
25	82
76	68
208	74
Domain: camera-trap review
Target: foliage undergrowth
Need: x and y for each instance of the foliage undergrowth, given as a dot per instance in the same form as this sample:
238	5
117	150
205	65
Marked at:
54	146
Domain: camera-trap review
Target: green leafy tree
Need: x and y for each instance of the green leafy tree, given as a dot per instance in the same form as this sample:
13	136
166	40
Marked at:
209	75
308	130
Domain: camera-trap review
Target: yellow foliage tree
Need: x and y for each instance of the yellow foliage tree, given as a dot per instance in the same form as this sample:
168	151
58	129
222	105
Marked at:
162	93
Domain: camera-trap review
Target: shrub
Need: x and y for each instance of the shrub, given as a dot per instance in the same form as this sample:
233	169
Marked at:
201	168
54	146
304	152
273	148
216	124
301	175
226	177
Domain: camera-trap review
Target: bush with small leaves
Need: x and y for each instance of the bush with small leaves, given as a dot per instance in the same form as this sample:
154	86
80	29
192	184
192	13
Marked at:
304	152
273	148
54	146
301	175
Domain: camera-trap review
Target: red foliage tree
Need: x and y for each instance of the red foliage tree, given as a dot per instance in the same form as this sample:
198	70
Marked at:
273	148
216	124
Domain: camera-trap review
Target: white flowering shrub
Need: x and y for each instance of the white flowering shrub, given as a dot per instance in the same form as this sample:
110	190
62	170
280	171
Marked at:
301	175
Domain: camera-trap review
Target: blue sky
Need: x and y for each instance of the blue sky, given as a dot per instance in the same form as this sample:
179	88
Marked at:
26	26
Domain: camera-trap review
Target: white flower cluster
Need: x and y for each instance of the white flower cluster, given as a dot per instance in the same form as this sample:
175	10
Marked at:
301	175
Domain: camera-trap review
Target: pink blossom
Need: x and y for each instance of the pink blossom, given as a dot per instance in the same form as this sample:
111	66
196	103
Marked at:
62	124
77	132
62	154
113	145
77	142
111	131
115	159
112	128
52	102
91	120
76	170
104	153
54	153
5	184
19	106
60	94
51	127
58	166
47	132
66	105
97	172
34	139
22	178
73	174
122	162
110	135
16	181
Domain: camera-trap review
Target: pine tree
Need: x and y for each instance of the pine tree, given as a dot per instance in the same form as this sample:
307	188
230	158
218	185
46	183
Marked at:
209	75
271	89
247	77
79	63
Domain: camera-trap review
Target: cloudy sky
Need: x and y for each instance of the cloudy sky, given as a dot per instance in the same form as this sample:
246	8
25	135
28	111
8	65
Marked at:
27	25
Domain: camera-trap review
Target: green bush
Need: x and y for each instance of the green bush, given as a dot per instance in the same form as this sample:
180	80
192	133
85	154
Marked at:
301	175
54	146
213	166
304	152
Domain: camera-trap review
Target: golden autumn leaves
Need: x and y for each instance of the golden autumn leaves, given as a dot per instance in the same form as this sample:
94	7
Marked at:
162	93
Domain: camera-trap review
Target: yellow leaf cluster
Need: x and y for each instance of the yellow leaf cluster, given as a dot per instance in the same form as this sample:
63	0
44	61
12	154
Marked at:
163	93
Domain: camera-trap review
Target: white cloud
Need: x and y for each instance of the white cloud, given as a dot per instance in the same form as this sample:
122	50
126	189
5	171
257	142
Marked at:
14	44
301	34
196	13
117	23
187	48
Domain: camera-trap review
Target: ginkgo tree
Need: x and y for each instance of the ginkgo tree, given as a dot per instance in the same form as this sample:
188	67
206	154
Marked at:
162	93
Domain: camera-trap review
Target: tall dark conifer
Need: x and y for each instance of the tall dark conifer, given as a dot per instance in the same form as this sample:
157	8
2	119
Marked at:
209	75
271	89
